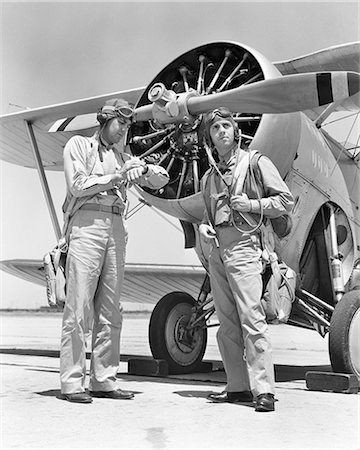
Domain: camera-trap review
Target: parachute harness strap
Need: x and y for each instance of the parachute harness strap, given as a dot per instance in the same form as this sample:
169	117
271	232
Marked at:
228	186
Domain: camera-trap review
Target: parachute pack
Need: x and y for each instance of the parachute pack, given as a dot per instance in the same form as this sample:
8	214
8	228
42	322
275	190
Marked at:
54	267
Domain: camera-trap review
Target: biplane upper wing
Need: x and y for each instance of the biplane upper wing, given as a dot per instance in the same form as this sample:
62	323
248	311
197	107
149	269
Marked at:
143	283
340	57
14	140
337	58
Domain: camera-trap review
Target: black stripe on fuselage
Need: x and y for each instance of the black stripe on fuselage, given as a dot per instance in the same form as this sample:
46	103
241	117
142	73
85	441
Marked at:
324	88
353	83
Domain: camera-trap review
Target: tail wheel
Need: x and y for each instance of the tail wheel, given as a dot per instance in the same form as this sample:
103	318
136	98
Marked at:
170	336
344	338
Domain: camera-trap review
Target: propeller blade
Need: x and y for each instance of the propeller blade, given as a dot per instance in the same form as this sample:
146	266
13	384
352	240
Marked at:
285	94
282	95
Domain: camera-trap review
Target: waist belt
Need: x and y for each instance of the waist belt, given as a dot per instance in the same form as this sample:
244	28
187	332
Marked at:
103	208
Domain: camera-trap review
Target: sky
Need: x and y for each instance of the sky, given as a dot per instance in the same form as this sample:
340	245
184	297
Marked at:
63	51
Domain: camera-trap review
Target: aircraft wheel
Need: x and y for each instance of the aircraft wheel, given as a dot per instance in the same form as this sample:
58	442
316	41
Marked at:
169	337
344	335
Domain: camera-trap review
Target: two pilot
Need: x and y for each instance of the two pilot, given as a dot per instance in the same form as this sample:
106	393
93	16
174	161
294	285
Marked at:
97	171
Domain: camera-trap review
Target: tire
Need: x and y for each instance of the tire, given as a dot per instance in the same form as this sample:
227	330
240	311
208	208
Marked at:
344	335
169	317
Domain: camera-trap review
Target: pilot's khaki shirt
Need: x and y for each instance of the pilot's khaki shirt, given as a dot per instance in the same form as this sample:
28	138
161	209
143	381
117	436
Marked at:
272	192
89	179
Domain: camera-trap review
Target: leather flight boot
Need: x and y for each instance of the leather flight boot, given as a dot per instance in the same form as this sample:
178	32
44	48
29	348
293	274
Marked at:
231	397
77	397
265	402
117	394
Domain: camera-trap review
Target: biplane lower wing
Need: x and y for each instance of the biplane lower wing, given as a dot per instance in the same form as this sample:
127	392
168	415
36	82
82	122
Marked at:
144	283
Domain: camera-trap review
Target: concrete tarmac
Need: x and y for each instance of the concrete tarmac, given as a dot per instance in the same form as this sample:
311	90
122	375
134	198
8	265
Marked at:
171	412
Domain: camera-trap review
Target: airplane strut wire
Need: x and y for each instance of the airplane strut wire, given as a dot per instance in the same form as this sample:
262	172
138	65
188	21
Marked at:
143	203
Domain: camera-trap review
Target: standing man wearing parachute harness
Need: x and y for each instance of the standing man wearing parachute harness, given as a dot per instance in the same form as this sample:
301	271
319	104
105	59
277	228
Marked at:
97	171
236	205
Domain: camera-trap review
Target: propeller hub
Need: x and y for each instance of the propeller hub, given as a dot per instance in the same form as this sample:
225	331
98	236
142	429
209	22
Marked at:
169	107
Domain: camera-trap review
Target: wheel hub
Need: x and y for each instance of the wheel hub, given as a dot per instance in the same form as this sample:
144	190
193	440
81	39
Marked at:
184	337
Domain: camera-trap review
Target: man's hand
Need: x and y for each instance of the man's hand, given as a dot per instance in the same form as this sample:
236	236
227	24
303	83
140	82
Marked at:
207	232
136	172
132	163
240	203
134	168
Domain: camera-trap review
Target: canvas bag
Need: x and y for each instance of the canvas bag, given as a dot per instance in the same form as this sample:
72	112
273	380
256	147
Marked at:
54	268
279	294
55	262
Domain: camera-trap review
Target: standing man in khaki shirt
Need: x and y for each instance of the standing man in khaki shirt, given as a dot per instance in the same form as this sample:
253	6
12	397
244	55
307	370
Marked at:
97	172
233	196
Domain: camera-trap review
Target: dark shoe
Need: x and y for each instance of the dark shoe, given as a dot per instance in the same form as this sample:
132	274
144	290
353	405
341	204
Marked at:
231	397
265	403
117	395
77	397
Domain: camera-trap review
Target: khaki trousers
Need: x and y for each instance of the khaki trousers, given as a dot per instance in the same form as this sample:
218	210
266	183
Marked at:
235	275
94	272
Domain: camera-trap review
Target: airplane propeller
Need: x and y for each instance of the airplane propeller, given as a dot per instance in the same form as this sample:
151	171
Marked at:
279	95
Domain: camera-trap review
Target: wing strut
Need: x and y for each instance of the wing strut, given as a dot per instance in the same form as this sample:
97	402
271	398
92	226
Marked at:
325	114
43	179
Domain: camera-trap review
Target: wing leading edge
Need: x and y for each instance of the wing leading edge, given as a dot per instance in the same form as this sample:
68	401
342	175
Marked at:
14	141
336	58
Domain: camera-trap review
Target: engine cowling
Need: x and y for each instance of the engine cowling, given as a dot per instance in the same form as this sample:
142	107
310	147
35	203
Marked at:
178	145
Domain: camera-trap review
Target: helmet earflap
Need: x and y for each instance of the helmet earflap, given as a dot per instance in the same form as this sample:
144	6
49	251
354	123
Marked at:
105	113
236	131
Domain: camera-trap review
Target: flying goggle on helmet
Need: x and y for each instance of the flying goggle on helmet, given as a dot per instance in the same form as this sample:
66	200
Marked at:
107	112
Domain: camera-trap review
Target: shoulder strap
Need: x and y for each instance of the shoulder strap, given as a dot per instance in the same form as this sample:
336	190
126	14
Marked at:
205	181
255	166
241	169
